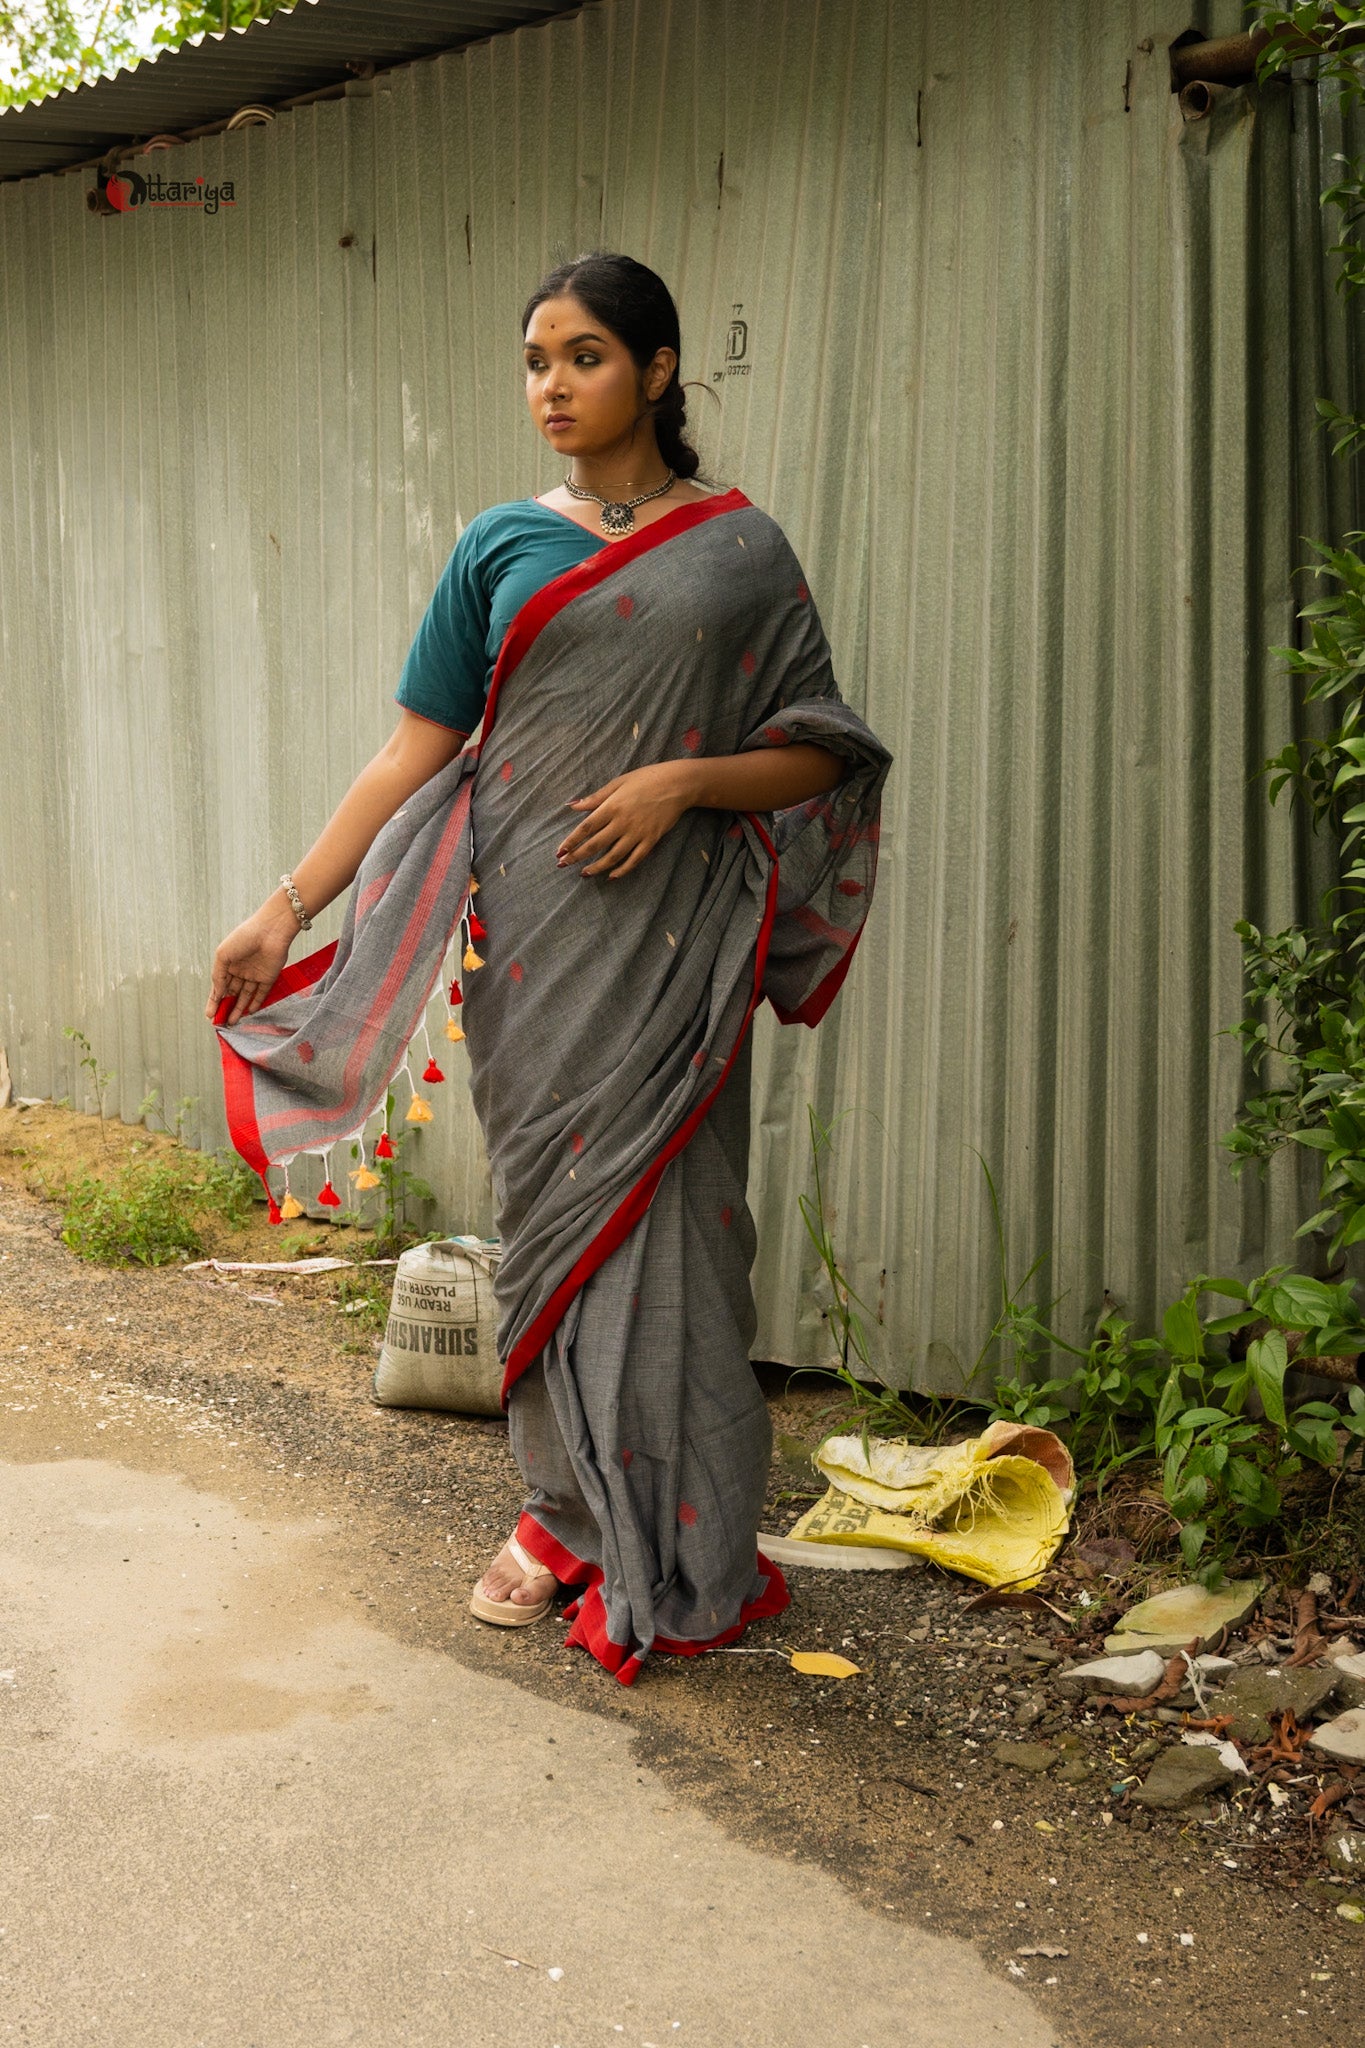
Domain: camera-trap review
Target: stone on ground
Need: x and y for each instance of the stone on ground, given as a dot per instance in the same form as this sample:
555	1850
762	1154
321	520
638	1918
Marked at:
1346	1853
1253	1696
1351	1683
1126	1677
1180	1775
1171	1621
1344	1737
1036	1757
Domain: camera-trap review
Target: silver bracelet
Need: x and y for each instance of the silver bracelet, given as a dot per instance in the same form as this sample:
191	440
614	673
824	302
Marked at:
305	921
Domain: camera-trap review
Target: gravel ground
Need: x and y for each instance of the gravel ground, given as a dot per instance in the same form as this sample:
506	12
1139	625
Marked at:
891	1779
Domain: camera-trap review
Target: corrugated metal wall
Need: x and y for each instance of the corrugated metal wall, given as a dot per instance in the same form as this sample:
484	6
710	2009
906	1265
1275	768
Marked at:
1024	366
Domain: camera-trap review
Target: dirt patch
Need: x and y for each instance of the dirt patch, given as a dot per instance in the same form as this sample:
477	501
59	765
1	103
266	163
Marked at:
889	1780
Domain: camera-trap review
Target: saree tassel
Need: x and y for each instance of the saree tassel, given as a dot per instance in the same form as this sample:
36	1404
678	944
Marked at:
455	998
290	1207
364	1180
274	1214
453	1031
419	1112
473	885
478	930
384	1149
431	1072
328	1198
471	960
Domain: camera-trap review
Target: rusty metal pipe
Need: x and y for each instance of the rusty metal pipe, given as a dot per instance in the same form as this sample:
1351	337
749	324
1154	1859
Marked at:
1228	60
1199	98
1231	60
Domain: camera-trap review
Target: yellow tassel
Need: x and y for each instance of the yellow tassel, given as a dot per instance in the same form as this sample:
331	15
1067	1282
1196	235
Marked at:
419	1112
365	1179
289	1208
473	885
453	1031
471	960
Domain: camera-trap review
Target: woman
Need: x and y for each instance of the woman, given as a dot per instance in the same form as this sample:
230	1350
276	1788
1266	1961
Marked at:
671	814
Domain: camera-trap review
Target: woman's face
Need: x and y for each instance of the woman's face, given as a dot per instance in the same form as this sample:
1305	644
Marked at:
582	385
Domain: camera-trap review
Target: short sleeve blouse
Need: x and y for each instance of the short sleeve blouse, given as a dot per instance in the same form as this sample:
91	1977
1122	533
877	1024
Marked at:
504	556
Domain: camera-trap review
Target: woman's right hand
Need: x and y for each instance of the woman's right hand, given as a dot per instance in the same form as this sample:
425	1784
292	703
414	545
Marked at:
247	964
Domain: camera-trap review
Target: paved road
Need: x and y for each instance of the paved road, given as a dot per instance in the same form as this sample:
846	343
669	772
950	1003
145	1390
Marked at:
232	1814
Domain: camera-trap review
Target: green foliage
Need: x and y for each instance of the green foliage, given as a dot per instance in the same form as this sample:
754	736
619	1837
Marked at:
398	1186
363	1299
100	1077
153	1210
52	45
1303	1031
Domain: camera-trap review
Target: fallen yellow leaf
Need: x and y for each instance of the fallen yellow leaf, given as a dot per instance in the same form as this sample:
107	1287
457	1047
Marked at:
823	1664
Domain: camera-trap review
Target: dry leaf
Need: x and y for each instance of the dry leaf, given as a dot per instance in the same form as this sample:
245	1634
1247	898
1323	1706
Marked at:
823	1664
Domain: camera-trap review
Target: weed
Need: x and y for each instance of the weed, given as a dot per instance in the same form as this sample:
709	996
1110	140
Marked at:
150	1106
363	1299
398	1186
152	1211
100	1077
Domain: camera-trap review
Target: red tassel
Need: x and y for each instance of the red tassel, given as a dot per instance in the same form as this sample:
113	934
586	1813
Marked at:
328	1198
273	1213
432	1072
384	1150
455	997
477	928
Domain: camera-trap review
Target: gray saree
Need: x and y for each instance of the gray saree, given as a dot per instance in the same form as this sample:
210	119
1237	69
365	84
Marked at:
607	1027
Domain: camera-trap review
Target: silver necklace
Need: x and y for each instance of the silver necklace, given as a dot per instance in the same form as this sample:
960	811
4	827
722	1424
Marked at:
618	514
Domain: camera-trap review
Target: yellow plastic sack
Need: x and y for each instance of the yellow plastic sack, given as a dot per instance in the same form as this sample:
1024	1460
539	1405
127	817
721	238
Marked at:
994	1508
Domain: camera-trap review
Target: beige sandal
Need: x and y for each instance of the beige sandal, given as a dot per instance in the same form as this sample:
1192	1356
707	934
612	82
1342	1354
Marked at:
515	1613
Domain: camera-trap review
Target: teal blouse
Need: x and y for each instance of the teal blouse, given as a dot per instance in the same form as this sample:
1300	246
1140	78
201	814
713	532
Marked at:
504	556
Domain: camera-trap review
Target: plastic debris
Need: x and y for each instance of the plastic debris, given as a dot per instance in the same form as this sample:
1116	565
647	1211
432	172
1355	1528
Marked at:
994	1508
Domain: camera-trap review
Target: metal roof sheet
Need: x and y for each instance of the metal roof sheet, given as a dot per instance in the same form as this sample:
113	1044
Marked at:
312	45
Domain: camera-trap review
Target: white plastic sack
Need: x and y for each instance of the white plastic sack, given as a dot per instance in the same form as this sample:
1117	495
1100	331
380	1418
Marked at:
440	1347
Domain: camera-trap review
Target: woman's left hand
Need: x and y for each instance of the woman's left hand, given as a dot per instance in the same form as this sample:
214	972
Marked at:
626	818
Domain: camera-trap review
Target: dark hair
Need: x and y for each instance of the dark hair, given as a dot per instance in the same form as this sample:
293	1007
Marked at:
635	303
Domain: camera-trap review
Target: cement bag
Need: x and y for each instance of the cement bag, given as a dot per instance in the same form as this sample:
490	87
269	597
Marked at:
440	1348
994	1508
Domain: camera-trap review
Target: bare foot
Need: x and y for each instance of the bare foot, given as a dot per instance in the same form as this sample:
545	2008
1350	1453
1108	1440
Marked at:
505	1580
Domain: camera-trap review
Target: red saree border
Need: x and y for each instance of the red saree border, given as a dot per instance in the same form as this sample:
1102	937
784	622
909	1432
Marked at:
239	1100
588	1614
819	999
537	611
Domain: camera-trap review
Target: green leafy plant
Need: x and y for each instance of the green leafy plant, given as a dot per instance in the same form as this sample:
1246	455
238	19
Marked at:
152	1211
1303	1031
150	1106
363	1299
100	1077
398	1186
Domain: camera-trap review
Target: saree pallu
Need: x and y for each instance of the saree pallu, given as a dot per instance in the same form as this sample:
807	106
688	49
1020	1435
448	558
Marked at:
608	1039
